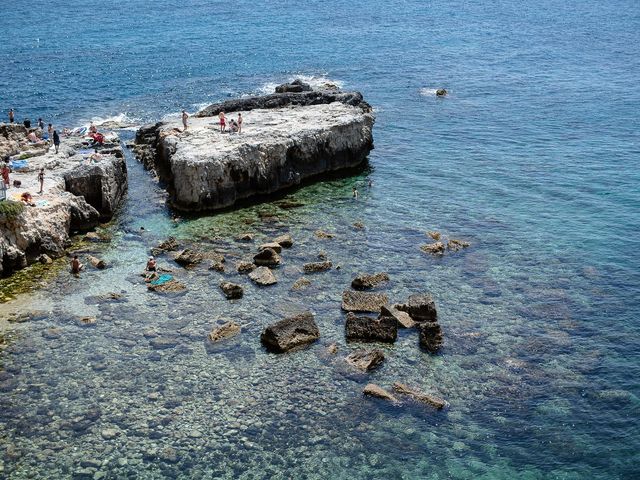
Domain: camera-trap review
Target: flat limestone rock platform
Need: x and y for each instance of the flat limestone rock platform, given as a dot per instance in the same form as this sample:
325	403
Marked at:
277	149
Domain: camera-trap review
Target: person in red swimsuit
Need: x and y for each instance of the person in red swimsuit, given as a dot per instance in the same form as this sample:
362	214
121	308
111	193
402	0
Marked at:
223	122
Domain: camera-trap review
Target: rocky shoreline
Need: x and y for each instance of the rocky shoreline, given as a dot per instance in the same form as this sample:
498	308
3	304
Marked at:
287	138
81	190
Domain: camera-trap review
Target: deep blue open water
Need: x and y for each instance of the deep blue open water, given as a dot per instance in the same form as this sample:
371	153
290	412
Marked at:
533	158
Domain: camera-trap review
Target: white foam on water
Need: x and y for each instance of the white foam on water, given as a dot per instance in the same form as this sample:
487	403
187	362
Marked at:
120	121
428	92
316	81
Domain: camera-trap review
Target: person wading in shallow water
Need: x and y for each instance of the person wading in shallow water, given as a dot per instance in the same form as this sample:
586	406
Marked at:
185	116
76	266
11	115
355	193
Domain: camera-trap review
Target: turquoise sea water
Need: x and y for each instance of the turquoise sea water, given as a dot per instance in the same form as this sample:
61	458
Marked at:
533	158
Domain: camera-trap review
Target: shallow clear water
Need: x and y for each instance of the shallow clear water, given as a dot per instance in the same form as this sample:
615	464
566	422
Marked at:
533	158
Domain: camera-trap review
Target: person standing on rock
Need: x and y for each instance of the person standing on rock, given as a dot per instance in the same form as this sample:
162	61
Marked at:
5	174
41	180
50	132
56	140
239	123
223	122
41	124
11	115
185	116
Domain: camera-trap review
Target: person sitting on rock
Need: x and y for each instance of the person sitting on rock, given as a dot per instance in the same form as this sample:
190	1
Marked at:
95	156
76	266
27	199
223	122
152	266
92	128
233	126
32	137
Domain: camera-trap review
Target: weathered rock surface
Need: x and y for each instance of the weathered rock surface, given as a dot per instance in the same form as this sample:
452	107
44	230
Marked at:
171	286
46	228
366	281
188	258
419	396
276	247
285	241
263	276
402	318
454	245
431	336
244	266
373	390
365	360
297	86
224	331
301	284
102	184
433	248
286	139
368	329
231	290
290	333
313	267
420	307
363	301
169	245
267	257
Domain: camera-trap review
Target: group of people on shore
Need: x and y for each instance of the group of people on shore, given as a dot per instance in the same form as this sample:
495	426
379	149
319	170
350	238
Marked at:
235	126
39	136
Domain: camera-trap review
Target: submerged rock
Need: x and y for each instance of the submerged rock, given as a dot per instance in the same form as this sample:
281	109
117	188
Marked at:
314	267
87	321
263	276
363	301
368	329
365	360
455	245
169	245
171	286
366	281
324	235
434	234
373	390
188	258
231	290
97	262
332	349
301	284
290	332
224	331
245	237
419	396
267	258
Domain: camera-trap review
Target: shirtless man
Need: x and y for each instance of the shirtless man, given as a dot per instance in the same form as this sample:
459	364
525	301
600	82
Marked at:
11	115
239	123
76	266
185	115
151	265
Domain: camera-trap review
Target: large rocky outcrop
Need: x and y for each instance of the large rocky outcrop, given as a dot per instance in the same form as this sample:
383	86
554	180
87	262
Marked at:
45	228
102	184
287	138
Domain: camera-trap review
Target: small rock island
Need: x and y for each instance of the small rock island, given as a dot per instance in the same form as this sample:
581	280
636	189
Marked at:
287	138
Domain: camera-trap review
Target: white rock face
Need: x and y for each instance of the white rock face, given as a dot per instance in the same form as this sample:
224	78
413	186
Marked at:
97	188
278	148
